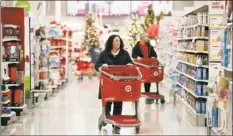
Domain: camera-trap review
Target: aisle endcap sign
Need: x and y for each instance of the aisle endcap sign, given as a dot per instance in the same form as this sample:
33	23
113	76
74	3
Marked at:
23	4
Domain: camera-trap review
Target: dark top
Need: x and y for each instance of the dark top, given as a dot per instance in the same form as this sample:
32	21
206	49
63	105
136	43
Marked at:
137	51
122	58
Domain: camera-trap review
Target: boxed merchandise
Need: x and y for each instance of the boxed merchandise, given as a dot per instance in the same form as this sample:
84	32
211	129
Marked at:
11	30
200	45
204	74
214	116
199	17
204	90
203	107
198	106
198	73
18	97
198	89
20	77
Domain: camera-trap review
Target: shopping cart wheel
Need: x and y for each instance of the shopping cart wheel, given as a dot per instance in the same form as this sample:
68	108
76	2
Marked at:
162	101
137	129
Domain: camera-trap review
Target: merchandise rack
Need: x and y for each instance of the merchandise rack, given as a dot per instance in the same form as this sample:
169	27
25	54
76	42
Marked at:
15	91
187	94
58	37
41	66
223	126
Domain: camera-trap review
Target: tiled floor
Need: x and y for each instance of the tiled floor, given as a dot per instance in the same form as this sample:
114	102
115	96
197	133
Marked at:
76	109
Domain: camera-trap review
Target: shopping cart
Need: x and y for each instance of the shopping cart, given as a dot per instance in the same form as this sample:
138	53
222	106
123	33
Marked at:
152	71
120	84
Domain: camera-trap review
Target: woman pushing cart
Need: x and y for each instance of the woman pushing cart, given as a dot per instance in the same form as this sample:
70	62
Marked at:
116	83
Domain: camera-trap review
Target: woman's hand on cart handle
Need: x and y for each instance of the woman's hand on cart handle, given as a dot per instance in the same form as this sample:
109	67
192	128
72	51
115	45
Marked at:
139	58
129	64
104	65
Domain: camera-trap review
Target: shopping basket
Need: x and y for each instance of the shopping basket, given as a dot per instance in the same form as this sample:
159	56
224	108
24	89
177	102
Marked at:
152	72
118	84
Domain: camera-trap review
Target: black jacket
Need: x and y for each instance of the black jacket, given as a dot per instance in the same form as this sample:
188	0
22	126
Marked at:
122	58
137	51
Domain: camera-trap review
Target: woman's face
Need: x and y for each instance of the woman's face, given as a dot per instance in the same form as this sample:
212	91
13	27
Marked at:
116	43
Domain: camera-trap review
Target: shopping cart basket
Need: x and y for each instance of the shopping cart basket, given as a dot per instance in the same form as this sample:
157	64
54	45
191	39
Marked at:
118	84
152	71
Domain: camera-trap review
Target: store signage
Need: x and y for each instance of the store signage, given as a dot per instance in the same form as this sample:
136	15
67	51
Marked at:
24	4
217	7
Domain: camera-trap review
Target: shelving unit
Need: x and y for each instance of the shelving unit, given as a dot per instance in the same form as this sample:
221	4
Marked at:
194	30
13	70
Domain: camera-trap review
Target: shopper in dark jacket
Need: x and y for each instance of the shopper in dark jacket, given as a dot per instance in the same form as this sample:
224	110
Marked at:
143	49
114	54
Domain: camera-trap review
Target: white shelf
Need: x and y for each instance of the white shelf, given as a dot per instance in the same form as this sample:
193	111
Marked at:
192	77
8	115
229	46
43	70
42	91
20	107
191	92
202	66
13	62
10	85
6	102
191	51
227	69
10	38
6	91
194	38
57	47
185	27
189	107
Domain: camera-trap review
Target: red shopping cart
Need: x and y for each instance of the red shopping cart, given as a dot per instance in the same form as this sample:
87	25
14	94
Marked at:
152	71
120	84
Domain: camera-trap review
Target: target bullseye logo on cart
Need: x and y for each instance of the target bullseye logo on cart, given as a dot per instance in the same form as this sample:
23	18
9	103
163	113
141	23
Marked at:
156	73
128	88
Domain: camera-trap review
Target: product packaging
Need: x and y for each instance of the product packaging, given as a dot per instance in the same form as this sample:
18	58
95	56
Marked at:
204	73
203	107
198	106
198	89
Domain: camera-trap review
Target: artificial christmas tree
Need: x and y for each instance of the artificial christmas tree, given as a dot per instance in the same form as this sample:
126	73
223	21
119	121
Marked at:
91	38
135	29
150	17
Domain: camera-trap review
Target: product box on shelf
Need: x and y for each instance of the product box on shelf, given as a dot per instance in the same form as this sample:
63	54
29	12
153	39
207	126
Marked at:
11	30
18	97
20	77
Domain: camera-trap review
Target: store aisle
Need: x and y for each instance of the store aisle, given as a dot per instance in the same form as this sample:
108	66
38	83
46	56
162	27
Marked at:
76	109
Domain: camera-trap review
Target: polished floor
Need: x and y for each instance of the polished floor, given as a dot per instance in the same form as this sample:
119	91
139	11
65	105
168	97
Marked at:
75	110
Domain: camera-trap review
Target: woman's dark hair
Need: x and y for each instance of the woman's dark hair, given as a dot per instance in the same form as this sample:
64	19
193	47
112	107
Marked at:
109	45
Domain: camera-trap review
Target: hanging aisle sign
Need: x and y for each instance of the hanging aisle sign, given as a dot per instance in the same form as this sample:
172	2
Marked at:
24	4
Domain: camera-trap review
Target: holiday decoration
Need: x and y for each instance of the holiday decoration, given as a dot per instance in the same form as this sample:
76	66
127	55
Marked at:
91	38
150	16
135	29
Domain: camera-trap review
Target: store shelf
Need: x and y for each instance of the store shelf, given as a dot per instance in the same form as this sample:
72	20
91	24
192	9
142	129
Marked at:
6	102
42	91
189	107
227	69
194	38
203	8
6	119
57	47
191	92
191	51
10	38
202	66
11	85
19	107
9	62
192	26
6	91
192	77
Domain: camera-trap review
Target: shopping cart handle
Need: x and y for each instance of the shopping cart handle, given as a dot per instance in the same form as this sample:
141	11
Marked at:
148	66
122	77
